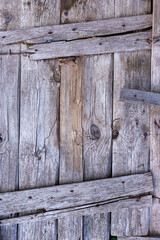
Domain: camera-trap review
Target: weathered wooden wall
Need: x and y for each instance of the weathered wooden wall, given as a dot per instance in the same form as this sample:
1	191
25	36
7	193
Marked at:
56	121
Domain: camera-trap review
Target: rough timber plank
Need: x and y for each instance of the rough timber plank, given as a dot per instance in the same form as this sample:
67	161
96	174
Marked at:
75	194
89	209
154	122
71	167
149	98
131	143
82	11
39	148
99	45
9	110
76	30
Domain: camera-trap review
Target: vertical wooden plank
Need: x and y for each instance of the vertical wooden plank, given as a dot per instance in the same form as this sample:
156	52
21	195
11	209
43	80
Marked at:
97	133
9	110
130	123
39	116
71	168
154	122
80	11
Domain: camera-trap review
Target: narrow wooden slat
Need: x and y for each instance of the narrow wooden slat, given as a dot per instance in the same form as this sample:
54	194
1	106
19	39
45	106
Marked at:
76	194
131	123
39	110
89	209
129	42
155	121
76	30
149	98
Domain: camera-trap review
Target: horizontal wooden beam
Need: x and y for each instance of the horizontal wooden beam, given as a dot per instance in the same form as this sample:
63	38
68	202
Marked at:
90	209
75	195
150	98
138	238
74	31
99	45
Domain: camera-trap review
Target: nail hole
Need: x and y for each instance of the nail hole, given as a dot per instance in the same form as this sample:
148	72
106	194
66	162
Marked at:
4	37
50	32
30	197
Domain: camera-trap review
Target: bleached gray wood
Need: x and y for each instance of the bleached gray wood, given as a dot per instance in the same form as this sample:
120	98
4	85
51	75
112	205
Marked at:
129	42
89	209
149	98
39	146
76	194
138	238
154	122
131	123
76	30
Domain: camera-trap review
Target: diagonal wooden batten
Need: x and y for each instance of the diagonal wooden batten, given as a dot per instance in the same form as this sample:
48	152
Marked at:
150	98
76	30
74	195
90	209
99	45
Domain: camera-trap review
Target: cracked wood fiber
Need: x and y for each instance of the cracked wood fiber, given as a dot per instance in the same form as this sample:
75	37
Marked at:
154	122
81	11
9	110
131	121
39	101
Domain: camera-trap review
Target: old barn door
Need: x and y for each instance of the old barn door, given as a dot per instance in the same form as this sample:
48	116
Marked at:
63	64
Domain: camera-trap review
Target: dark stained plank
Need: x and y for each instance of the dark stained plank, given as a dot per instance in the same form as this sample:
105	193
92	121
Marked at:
149	98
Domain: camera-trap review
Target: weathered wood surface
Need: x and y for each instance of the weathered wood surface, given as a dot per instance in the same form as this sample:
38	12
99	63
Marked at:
89	209
131	123
99	45
75	194
155	121
39	110
76	30
149	98
9	111
138	238
71	165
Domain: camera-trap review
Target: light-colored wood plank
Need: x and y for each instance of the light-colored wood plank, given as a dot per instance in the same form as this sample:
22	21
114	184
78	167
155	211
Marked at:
89	209
130	123
75	194
154	122
100	45
71	166
131	95
76	30
9	109
39	147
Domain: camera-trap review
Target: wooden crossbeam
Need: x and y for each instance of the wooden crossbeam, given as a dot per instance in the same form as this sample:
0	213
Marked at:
150	98
66	32
81	198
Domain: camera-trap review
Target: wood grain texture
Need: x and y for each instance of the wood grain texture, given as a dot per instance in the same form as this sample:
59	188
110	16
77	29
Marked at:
99	45
89	209
9	110
154	122
76	30
131	123
75	194
39	147
131	95
71	166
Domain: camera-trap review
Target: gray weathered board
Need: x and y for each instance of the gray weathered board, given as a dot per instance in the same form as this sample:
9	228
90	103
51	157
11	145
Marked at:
149	98
41	102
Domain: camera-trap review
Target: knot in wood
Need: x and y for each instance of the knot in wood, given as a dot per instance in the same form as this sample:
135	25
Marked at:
95	132
1	139
115	134
8	18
